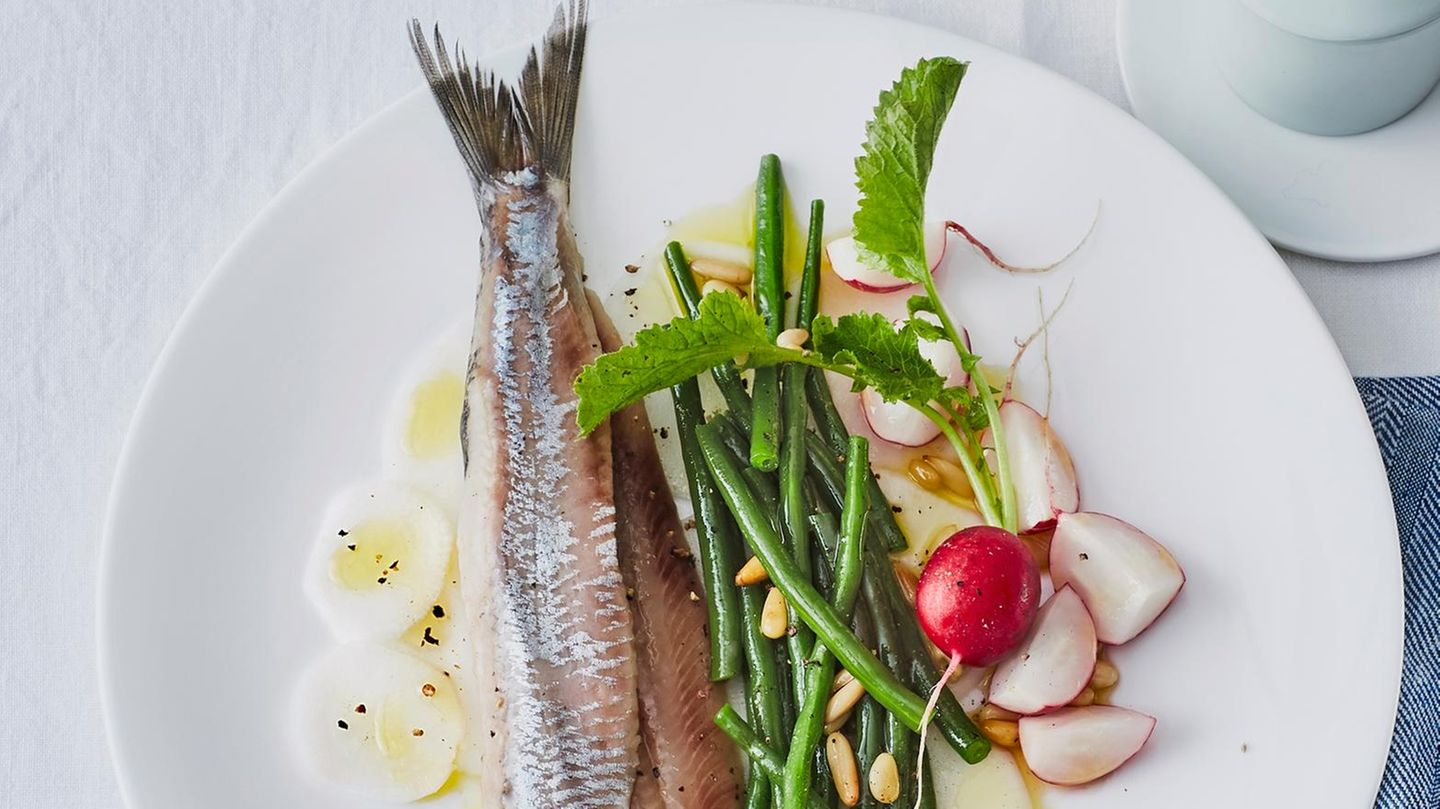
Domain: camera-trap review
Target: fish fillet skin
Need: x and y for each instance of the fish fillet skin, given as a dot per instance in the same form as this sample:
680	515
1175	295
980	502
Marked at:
539	568
696	766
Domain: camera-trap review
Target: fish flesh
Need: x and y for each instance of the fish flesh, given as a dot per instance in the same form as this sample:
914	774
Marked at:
540	573
696	766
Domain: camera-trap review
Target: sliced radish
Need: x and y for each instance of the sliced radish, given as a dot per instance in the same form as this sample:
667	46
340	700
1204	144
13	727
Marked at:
1125	578
1040	467
978	594
1053	664
899	423
1078	745
379	722
844	257
380	561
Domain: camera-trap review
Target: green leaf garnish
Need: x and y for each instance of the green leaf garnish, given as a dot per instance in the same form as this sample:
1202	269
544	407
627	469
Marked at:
863	347
668	353
869	350
895	166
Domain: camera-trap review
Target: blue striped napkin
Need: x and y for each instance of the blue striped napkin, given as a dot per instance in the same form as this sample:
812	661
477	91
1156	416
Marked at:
1405	412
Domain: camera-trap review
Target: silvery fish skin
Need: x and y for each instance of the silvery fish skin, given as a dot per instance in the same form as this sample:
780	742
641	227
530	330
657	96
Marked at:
537	546
537	549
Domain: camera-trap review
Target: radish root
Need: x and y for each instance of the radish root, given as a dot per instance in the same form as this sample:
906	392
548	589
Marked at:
999	263
925	718
1041	332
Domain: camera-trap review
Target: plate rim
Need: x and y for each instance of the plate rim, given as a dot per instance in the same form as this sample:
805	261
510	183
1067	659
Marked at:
126	459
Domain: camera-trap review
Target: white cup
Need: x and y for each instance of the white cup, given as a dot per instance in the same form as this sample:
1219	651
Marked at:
1330	67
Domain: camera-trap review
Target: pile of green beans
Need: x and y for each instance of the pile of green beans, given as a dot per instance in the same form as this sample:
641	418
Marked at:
802	500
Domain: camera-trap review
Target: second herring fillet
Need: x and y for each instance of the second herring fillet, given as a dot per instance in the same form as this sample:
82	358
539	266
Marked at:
695	765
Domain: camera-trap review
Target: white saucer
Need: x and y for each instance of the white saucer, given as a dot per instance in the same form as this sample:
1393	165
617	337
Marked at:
1370	197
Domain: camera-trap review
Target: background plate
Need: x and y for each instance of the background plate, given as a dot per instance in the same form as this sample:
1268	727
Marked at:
1197	389
1368	197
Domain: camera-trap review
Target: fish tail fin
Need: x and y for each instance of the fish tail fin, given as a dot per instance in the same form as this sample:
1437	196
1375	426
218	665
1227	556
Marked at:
502	127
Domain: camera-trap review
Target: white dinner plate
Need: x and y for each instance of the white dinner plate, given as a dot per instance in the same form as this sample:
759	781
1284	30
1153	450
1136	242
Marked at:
1198	390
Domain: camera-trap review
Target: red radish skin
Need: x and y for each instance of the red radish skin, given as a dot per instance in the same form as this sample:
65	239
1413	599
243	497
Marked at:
1041	470
1124	576
978	594
1053	664
845	262
1075	746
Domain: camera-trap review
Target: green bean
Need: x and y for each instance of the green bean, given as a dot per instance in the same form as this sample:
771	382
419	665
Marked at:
757	791
793	508
809	302
765	761
734	432
833	431
769	293
869	741
764	682
899	740
823	780
813	609
810	725
763	484
827	537
720	556
771	695
787	672
726	375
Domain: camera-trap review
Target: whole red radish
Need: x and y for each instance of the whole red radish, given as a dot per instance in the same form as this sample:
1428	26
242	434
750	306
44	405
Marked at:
978	594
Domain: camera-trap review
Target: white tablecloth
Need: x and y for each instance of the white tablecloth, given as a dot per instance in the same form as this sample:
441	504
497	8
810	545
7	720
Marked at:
137	139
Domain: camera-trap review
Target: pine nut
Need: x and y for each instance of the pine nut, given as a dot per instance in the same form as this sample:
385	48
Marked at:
885	778
841	678
843	768
909	582
712	286
773	620
925	475
988	711
842	702
1086	697
727	271
793	339
1002	732
951	475
752	573
1105	676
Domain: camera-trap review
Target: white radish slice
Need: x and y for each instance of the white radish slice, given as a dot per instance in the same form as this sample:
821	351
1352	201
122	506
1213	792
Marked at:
379	722
1053	665
845	260
899	423
925	518
994	783
440	639
380	561
1040	467
1125	578
1078	745
422	432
